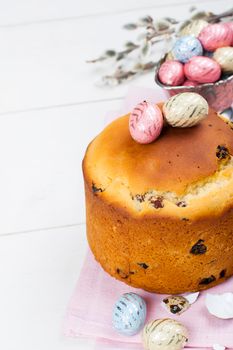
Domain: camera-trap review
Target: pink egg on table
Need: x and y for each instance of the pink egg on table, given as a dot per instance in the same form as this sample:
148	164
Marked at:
171	73
190	83
215	35
202	70
230	25
145	122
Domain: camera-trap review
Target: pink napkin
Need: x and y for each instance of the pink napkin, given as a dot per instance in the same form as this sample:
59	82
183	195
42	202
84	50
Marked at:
90	310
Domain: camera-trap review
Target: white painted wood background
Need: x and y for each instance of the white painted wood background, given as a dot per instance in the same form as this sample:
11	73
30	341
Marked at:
49	110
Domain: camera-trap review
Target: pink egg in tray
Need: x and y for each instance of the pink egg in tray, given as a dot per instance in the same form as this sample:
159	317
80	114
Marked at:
203	68
219	94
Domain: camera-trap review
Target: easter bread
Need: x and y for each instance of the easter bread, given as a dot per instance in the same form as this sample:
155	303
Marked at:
160	216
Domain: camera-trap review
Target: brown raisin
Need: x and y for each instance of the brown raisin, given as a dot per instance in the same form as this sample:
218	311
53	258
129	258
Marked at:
222	152
207	280
198	248
140	197
157	202
121	273
181	204
96	189
143	265
222	273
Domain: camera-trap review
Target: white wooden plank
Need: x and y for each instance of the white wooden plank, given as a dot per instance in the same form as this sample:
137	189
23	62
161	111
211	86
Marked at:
40	171
42	65
13	12
38	273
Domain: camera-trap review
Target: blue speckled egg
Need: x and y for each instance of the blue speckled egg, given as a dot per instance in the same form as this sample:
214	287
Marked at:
187	47
129	314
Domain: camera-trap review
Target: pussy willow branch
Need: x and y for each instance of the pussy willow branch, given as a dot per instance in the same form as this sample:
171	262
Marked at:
121	54
214	18
153	35
209	18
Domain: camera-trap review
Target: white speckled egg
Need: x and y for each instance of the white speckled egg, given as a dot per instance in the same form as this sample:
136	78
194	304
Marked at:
224	57
176	304
129	314
185	109
164	334
194	27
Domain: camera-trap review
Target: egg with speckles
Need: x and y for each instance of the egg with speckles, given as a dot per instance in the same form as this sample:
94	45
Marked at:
164	334
176	304
187	47
145	122
129	314
193	28
169	56
185	109
202	69
224	57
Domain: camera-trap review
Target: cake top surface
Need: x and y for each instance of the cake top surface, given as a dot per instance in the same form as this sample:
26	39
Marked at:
178	158
186	171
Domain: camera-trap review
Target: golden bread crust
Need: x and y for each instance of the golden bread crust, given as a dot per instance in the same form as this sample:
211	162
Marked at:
180	156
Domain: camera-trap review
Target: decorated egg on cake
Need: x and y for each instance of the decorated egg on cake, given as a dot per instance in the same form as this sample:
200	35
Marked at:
202	70
215	35
145	122
171	72
187	47
193	28
164	334
224	57
185	109
129	314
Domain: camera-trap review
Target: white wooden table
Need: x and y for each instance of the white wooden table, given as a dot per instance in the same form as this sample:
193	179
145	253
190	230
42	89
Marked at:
49	110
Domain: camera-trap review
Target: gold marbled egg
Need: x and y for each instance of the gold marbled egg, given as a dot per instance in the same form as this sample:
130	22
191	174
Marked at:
164	334
169	56
193	28
224	57
176	304
185	109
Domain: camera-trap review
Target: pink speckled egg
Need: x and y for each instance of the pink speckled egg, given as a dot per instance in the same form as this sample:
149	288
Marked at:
171	73
230	25
190	83
145	122
202	70
215	35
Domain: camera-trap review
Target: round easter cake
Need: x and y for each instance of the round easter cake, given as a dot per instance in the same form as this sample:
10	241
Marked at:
160	215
